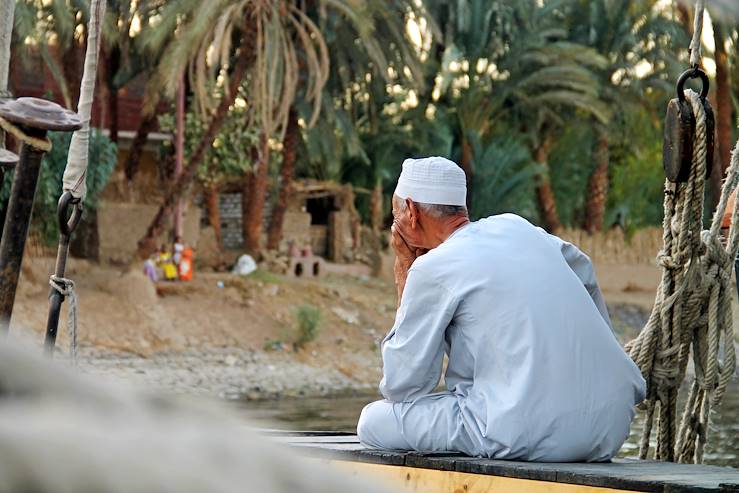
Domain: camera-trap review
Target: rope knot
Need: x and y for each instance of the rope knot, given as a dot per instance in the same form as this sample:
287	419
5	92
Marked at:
40	144
65	287
62	285
667	261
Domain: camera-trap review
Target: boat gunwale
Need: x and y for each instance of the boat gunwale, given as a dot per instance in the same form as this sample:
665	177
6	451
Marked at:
625	474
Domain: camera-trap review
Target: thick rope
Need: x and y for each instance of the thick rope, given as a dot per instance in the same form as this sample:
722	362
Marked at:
692	310
40	144
65	287
695	43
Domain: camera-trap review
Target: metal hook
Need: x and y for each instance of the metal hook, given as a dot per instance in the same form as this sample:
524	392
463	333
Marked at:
693	73
68	221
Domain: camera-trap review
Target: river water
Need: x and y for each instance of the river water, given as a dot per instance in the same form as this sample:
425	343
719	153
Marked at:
341	413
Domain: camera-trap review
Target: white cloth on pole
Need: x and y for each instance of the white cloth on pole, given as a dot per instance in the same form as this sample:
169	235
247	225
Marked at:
432	180
534	372
75	173
7	11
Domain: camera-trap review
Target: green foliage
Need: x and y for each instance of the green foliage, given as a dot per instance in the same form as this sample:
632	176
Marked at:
497	75
308	319
103	158
505	182
228	157
637	182
266	277
571	163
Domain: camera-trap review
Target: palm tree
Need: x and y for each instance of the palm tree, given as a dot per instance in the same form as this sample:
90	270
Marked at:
724	110
123	58
266	33
287	169
471	37
628	34
286	52
510	60
356	89
58	31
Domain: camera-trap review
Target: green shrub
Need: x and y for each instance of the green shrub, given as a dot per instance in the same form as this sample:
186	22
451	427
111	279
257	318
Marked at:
103	158
309	322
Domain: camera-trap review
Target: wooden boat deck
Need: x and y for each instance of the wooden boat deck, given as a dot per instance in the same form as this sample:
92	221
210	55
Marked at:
619	475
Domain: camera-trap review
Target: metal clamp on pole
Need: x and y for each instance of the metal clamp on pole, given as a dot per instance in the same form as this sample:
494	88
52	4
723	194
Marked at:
69	214
28	119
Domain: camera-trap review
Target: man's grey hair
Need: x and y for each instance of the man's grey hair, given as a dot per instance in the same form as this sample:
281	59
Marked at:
437	210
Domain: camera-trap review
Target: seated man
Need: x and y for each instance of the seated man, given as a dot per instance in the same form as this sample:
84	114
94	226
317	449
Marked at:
534	371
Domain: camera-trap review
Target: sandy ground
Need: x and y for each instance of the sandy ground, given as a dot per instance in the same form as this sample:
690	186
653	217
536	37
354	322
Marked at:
237	340
124	317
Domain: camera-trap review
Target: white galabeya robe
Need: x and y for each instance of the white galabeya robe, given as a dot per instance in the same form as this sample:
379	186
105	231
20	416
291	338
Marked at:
534	372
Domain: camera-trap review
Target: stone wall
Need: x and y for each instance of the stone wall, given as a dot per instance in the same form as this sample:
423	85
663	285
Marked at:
231	222
121	225
296	227
340	242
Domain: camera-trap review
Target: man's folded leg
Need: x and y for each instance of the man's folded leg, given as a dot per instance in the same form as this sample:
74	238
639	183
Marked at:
430	423
379	427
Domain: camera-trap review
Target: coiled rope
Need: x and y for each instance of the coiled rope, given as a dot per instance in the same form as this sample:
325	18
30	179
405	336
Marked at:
692	310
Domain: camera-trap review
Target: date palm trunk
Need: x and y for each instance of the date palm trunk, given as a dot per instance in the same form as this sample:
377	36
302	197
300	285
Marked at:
214	212
253	214
597	195
544	192
724	113
289	155
376	208
148	243
133	158
113	65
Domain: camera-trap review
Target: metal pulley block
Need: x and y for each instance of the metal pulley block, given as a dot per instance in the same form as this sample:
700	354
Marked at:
677	149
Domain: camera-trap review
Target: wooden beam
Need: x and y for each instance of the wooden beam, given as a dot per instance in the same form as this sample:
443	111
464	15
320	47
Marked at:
412	479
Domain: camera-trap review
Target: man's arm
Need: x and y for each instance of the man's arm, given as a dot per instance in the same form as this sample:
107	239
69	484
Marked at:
413	351
582	267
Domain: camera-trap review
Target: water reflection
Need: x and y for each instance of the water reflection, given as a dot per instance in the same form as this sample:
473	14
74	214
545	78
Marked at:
341	413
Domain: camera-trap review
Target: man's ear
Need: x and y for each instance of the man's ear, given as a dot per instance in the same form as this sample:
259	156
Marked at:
410	206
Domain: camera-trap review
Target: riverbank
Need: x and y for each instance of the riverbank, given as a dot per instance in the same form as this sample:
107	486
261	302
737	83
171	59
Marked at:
236	337
226	373
234	373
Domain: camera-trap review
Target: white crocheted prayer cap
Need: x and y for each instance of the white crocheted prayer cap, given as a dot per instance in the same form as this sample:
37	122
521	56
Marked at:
432	180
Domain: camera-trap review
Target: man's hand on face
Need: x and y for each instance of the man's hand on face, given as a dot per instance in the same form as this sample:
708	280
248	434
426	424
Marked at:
403	252
404	257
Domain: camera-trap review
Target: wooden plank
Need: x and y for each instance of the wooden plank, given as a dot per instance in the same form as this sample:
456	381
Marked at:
316	439
412	479
294	433
624	474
